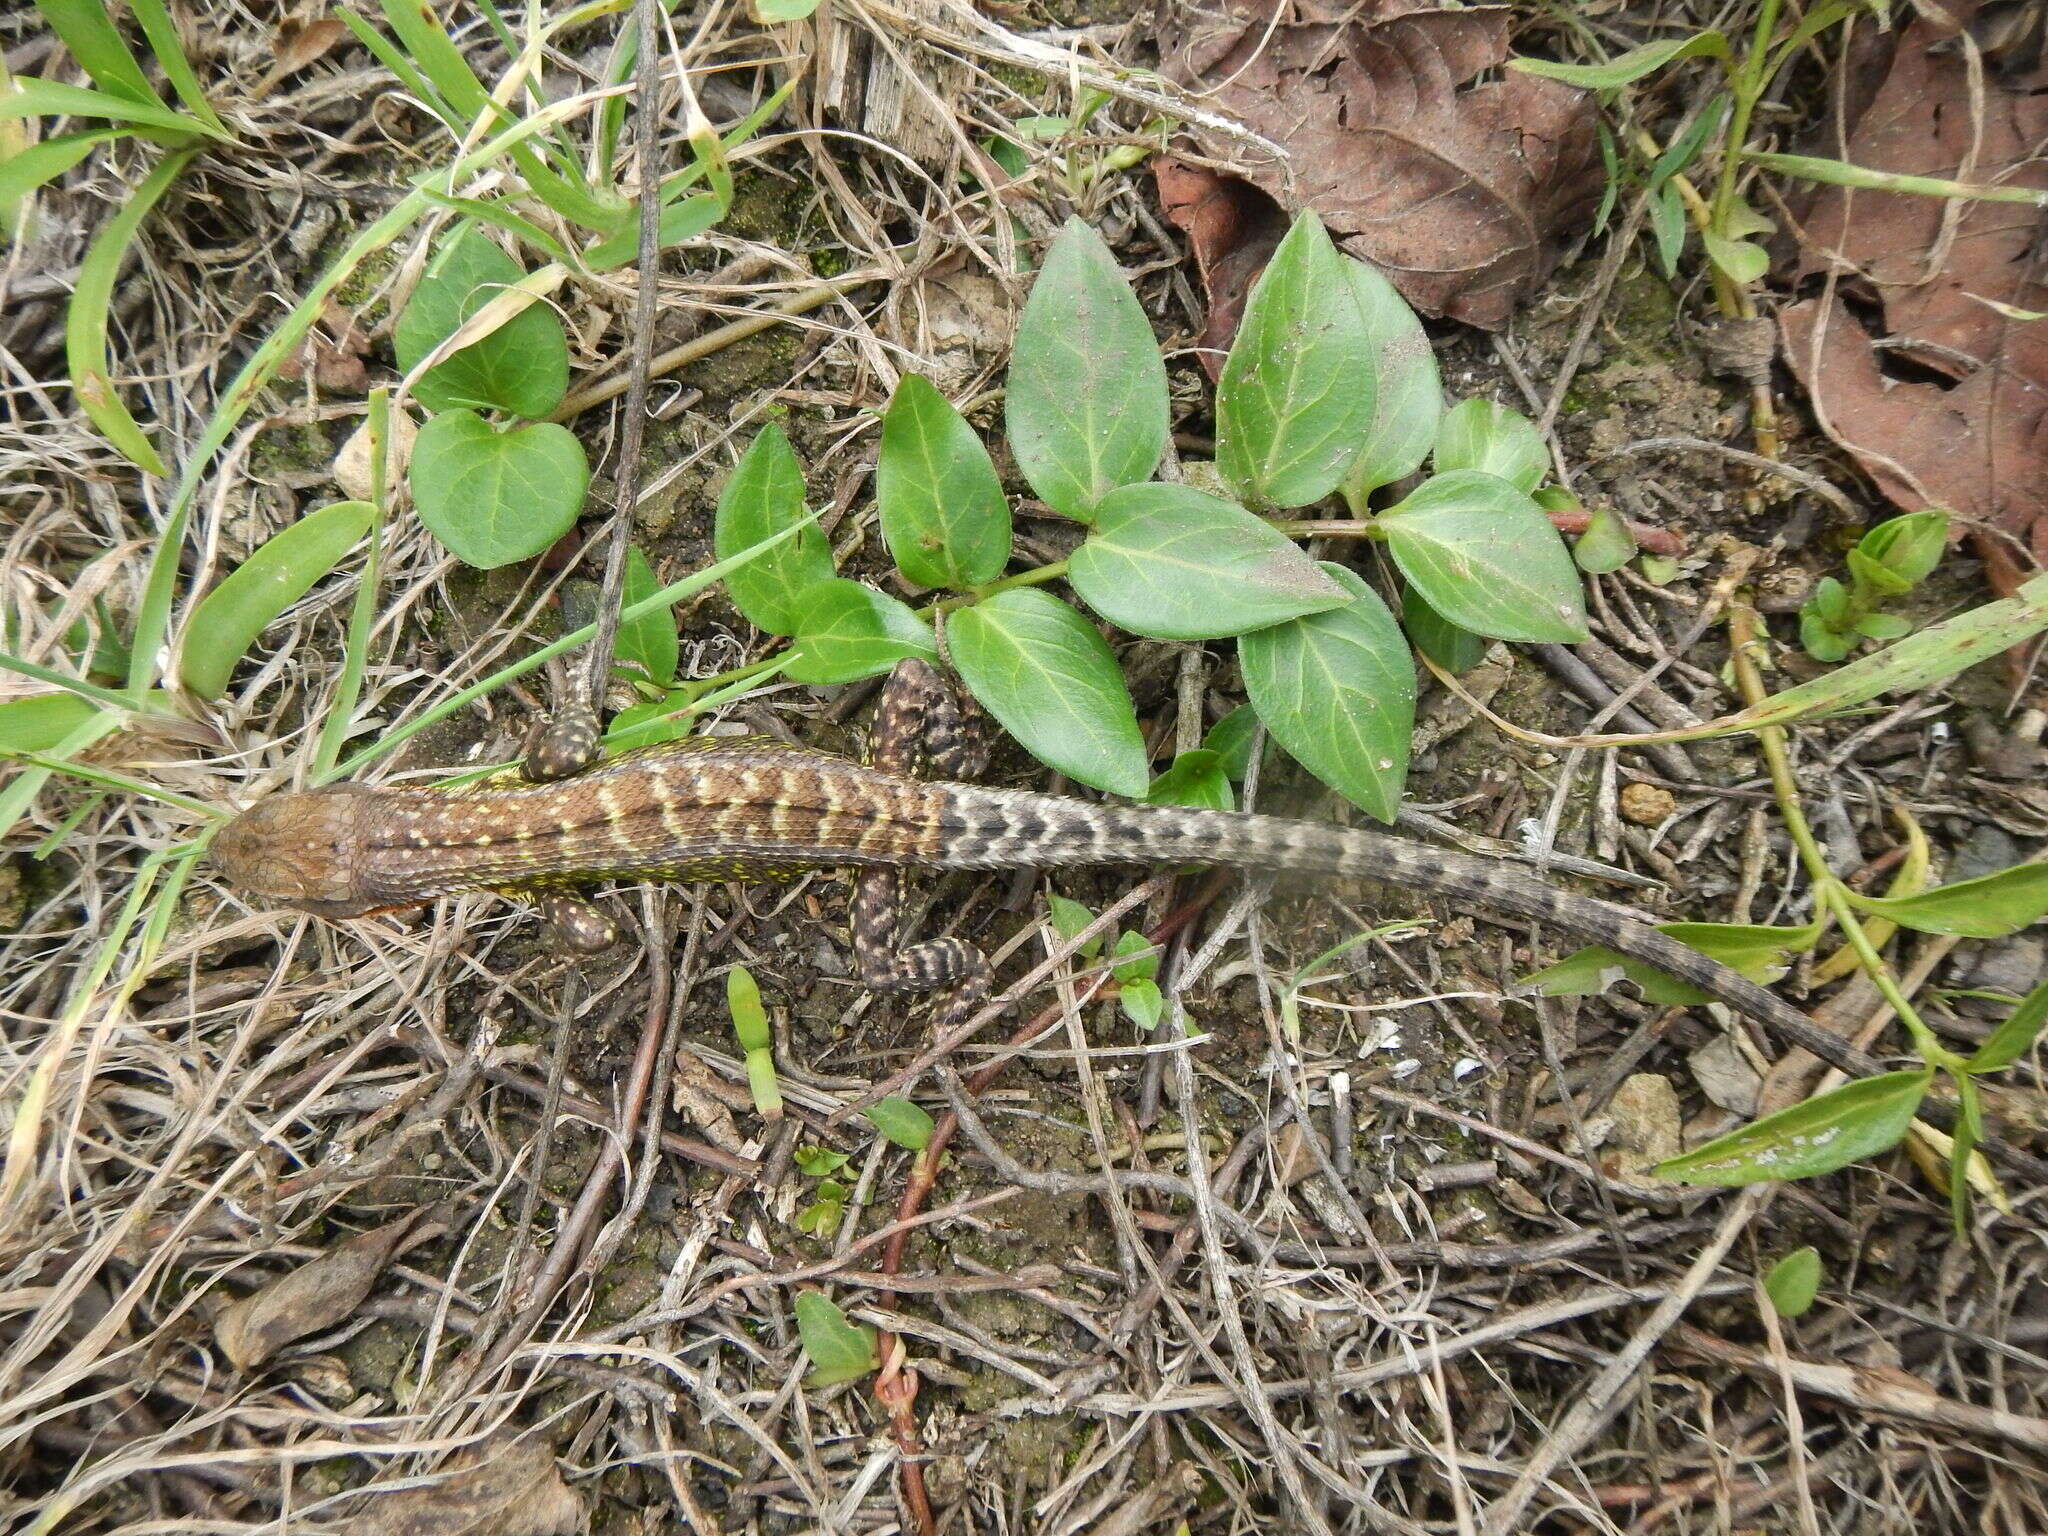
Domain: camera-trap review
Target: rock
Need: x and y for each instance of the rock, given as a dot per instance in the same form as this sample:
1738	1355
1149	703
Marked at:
1647	805
1726	1075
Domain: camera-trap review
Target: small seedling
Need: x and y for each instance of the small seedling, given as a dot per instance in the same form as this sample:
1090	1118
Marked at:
750	1024
1793	1282
1888	562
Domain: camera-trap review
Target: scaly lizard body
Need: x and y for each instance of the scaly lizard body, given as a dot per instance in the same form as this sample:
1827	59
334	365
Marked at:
708	809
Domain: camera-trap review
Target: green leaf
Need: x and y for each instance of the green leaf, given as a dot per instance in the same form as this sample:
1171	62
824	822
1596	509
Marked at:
1401	382
278	572
1144	968
1827	1132
86	317
1086	404
1761	953
1743	261
763	496
1830	600
1337	690
1478	434
496	497
522	367
774	11
41	721
1667	224
943	511
1606	545
649	723
1987	907
1142	1002
1175	563
819	1218
1936	652
1910	547
2007	1043
1231	740
26	169
1070	918
1626	67
1196	778
680	221
847	630
1884	626
1452	648
650	640
901	1122
838	1351
743	1003
1050	679
816	1162
1290	409
93	39
33	97
1483	555
1821	640
1872	580
1793	1282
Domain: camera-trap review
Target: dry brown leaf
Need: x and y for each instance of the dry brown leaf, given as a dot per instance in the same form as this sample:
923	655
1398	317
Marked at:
1463	194
512	1489
1963	424
312	1298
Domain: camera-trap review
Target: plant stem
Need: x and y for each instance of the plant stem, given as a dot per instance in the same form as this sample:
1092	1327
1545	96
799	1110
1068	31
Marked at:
1745	634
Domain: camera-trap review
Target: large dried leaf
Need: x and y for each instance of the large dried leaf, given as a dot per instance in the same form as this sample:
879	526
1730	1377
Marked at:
1463	194
316	1296
512	1490
1952	409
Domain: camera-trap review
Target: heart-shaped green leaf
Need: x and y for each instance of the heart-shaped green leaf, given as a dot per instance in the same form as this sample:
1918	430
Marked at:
1086	405
1293	399
837	1349
1337	690
943	511
1484	556
1178	564
1050	679
763	496
495	497
847	630
521	367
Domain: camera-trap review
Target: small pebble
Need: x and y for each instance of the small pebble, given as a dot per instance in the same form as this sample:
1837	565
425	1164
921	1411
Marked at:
1647	805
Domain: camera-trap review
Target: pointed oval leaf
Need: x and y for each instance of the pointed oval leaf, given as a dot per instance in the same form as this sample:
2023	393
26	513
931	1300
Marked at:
1407	395
1337	690
2011	1040
1480	434
1484	556
943	511
649	641
1624	67
1291	403
1606	545
40	722
1827	1132
837	1349
847	630
495	497
279	571
521	367
1793	1282
1910	546
1175	563
1757	951
1051	680
1987	907
763	496
901	1122
1086	406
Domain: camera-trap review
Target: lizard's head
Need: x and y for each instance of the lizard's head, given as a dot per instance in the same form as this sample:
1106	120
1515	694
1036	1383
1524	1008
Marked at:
297	850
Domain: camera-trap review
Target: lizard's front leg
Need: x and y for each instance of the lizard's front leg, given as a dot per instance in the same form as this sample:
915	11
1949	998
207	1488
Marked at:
920	725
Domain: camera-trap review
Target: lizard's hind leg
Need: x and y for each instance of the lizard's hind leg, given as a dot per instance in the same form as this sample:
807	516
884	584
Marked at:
920	725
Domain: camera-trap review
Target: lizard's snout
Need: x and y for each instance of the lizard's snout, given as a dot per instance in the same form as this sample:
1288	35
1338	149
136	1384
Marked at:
297	850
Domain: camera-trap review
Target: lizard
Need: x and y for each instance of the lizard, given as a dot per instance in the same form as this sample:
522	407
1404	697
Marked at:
754	808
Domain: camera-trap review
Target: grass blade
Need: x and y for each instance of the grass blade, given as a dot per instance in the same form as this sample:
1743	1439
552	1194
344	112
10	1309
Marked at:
96	43
163	42
85	322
